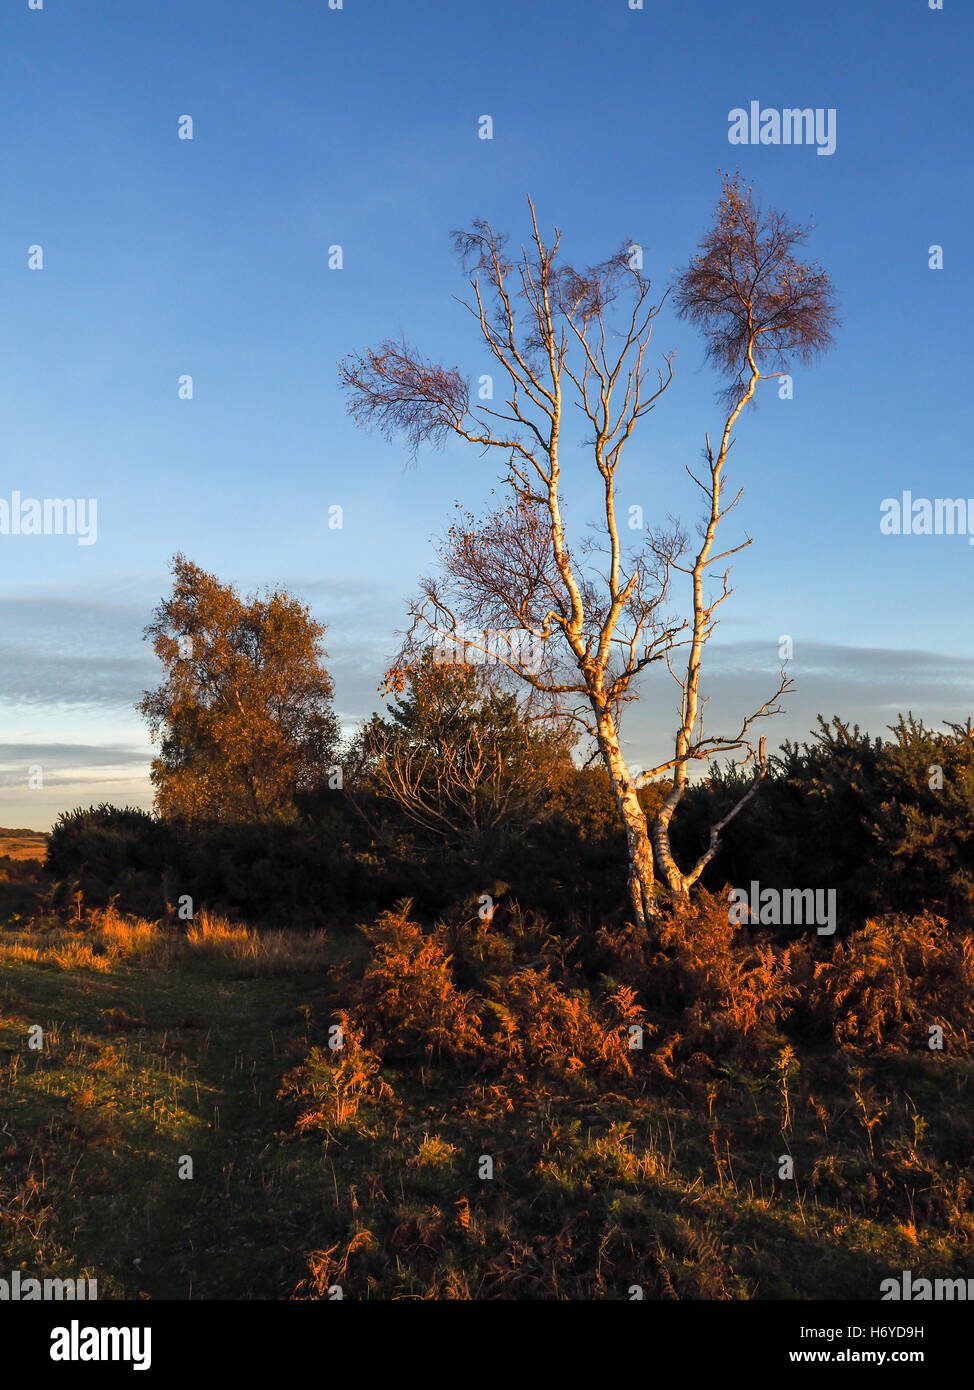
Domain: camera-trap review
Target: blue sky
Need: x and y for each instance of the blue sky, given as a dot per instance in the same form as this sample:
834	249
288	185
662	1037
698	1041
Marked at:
359	127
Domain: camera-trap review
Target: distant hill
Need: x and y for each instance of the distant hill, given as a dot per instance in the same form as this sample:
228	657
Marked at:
22	844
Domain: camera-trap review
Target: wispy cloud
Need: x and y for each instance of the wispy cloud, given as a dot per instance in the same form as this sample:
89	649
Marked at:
67	764
64	651
75	663
868	686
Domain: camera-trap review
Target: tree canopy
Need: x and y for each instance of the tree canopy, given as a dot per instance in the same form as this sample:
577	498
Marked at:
460	756
243	712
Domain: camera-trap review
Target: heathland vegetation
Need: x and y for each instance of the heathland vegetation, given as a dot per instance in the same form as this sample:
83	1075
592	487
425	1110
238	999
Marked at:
435	1011
701	1109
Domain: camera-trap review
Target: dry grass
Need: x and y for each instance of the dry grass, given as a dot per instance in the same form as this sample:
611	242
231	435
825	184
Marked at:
109	938
258	953
23	845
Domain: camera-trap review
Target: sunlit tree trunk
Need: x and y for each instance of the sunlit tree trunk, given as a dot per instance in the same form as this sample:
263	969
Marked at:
641	881
599	623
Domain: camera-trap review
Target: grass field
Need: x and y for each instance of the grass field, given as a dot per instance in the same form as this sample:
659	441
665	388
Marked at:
309	1174
22	844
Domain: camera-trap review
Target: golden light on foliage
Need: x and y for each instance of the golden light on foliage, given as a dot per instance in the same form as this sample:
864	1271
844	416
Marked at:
244	710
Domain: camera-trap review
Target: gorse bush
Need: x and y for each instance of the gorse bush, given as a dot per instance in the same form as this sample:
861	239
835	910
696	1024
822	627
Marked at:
105	841
293	873
111	853
924	825
887	823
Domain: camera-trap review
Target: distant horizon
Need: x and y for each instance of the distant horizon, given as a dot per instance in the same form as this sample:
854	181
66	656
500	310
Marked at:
779	730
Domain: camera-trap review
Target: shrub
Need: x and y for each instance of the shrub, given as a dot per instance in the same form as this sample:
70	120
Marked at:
112	852
733	983
892	981
888	823
331	1086
104	840
540	1024
521	1017
19	870
408	993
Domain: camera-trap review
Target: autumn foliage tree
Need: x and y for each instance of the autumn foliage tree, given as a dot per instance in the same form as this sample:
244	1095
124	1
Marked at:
243	713
593	614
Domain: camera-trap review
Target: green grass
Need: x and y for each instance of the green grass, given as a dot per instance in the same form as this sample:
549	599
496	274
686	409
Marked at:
670	1186
101	1116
